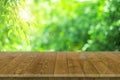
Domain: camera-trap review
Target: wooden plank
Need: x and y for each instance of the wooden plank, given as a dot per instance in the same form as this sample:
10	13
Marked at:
43	64
61	65
26	61
82	78
47	64
60	78
6	58
9	68
99	65
88	68
74	65
112	65
34	64
117	53
114	57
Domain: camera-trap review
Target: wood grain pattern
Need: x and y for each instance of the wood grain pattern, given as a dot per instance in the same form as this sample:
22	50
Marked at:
60	65
34	64
6	59
27	59
9	68
47	64
87	67
74	65
114	66
99	65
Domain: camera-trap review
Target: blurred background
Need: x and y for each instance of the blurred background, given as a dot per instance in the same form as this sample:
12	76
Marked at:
59	25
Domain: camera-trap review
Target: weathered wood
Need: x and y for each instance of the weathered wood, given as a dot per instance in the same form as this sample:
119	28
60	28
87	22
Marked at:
74	65
11	66
60	78
32	68
87	67
6	58
113	65
27	59
99	65
60	65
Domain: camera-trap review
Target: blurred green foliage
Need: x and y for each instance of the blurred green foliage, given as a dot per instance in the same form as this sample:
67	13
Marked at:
59	25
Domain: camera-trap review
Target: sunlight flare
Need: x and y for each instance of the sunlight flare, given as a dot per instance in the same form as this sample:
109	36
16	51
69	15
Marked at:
25	15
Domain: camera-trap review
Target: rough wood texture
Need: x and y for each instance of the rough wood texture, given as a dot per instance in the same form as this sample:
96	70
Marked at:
60	65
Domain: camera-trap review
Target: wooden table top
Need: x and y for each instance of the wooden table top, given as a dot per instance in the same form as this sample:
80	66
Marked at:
60	64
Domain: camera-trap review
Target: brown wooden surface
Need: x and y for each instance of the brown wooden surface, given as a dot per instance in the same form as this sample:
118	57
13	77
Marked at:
60	64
